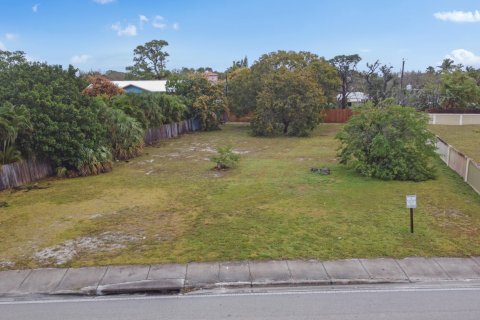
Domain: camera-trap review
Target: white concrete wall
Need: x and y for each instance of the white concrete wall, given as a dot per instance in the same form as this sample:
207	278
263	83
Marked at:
456	119
467	168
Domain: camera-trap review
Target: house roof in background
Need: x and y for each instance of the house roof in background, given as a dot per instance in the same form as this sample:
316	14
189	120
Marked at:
147	85
356	96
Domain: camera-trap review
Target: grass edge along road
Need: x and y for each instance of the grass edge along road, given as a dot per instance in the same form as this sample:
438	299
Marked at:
169	206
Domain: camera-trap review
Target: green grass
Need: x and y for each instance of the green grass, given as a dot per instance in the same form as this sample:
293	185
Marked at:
465	139
169	206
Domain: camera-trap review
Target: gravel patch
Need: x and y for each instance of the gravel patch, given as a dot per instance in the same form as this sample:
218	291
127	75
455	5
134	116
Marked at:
66	251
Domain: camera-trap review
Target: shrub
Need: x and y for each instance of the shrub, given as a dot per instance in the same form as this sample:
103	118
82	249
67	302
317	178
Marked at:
205	100
151	110
124	133
226	158
208	111
13	120
10	154
102	86
65	129
129	104
389	143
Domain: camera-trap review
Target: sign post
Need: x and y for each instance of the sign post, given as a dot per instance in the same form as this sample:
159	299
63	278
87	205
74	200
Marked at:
411	204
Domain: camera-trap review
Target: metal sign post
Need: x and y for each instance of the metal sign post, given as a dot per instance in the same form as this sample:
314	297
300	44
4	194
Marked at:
411	204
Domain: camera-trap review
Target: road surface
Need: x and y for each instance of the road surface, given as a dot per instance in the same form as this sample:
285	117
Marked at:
386	302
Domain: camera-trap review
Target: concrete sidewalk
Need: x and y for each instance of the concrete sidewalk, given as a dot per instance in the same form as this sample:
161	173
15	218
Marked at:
194	276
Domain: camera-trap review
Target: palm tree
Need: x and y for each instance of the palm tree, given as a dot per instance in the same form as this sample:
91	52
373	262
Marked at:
12	121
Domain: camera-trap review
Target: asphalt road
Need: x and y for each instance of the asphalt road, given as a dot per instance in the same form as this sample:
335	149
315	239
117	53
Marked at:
403	303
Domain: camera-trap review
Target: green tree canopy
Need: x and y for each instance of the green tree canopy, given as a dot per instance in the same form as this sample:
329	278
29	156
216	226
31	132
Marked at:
64	123
205	100
289	90
250	88
289	103
459	90
149	61
241	92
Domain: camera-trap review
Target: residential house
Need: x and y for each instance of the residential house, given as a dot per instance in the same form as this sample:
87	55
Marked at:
140	86
212	76
354	98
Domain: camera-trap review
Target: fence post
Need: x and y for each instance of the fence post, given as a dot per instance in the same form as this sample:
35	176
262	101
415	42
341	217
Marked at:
448	155
461	119
466	170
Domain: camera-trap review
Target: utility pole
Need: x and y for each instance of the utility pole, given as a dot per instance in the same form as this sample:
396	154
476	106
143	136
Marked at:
401	83
226	84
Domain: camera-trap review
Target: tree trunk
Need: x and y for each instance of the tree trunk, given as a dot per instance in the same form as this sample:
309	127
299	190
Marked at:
344	96
285	127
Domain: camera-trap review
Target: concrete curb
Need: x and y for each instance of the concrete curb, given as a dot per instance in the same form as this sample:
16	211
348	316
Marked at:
181	278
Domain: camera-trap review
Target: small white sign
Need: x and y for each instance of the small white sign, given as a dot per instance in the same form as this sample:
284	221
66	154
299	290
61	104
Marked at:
411	202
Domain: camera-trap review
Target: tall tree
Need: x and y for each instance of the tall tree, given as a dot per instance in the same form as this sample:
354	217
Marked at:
346	66
289	103
285	89
448	65
150	61
241	92
380	81
459	90
115	75
238	64
10	59
324	74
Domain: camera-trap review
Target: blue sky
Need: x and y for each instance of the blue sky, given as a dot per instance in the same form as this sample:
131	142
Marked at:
101	34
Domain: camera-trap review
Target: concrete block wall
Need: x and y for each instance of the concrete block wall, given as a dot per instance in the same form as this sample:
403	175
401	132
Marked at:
454	119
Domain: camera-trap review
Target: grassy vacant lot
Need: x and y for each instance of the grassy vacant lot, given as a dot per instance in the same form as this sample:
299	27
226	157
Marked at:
464	138
169	206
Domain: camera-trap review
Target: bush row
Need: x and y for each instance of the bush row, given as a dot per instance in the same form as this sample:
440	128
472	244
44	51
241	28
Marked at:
43	114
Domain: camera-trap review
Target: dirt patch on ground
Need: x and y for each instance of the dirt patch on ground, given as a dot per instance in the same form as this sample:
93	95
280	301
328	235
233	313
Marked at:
450	218
5	264
66	251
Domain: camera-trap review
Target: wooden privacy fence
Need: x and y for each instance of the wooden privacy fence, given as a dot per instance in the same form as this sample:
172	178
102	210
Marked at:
336	115
24	171
246	118
467	168
171	130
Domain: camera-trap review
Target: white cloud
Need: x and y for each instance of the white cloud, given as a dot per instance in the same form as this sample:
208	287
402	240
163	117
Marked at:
79	59
130	30
176	26
458	16
35	8
2	47
103	1
10	36
365	50
465	57
143	20
159	22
